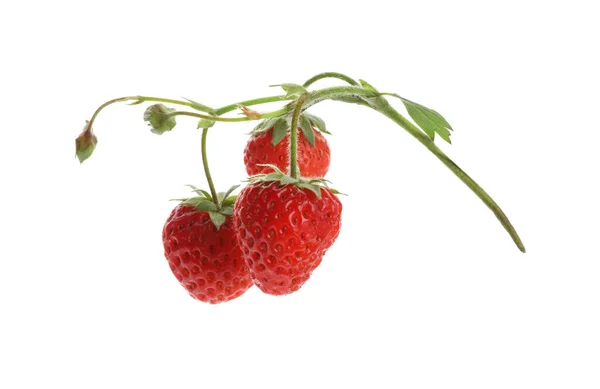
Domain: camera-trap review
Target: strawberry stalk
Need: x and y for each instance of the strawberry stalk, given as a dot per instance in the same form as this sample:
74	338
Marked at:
294	171
209	179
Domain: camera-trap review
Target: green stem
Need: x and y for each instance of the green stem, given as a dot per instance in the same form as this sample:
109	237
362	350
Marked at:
294	171
141	99
211	185
262	100
391	113
230	120
320	76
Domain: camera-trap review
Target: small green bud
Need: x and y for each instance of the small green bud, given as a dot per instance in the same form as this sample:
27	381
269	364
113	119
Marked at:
159	118
85	143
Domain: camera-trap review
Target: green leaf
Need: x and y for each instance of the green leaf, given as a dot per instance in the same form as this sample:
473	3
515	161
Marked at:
85	143
307	130
280	131
429	120
159	118
205	123
317	122
316	189
217	218
292	90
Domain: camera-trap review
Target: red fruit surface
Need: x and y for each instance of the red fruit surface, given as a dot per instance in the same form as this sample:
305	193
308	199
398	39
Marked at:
312	160
207	262
284	232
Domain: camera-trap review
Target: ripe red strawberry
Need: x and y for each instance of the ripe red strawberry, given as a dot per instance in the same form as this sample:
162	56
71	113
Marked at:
313	160
207	261
284	231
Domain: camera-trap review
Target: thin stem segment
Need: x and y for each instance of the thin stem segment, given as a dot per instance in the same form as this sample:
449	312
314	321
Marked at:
391	113
230	120
211	185
294	171
321	76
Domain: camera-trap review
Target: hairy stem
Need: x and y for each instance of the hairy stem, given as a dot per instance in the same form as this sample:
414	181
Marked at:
262	100
211	185
391	113
230	120
294	171
320	76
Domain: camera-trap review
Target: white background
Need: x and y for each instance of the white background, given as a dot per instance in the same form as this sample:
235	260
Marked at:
423	288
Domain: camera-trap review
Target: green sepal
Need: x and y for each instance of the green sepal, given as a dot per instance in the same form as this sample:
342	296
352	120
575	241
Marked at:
221	196
200	203
217	218
317	122
159	118
200	107
85	143
205	123
265	125
280	131
292	90
307	130
316	189
312	184
200	191
227	211
229	201
368	86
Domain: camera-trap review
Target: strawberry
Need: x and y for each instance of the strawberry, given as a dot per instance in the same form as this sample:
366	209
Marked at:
270	145
202	249
284	230
312	160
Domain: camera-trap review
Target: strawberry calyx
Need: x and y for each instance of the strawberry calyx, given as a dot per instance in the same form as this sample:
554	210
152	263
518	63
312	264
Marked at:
313	184
218	208
281	127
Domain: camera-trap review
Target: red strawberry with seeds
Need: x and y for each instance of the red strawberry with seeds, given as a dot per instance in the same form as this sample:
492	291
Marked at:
313	160
270	145
284	231
203	251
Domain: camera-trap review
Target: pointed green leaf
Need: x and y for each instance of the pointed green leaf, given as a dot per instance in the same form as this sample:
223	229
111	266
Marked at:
317	122
292	90
307	130
159	118
217	218
280	131
429	120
